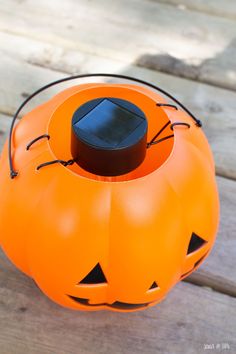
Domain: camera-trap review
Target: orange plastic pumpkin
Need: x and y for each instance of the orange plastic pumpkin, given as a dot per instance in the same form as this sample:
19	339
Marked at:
95	242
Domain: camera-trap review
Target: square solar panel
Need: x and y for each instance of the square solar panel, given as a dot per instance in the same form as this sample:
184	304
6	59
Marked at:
109	122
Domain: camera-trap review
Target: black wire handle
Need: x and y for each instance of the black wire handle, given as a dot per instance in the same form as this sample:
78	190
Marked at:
14	173
167	105
157	134
37	139
179	123
159	140
48	163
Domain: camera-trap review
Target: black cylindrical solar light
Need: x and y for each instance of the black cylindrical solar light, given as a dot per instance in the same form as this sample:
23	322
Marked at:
109	136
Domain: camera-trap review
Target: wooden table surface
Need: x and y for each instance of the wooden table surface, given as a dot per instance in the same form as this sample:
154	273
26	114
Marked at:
189	48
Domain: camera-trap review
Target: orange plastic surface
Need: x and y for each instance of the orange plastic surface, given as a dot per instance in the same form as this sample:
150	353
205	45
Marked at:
58	223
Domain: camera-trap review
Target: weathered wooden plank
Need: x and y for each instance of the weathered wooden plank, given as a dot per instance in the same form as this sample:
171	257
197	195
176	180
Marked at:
149	33
190	317
21	79
215	107
4	129
219	8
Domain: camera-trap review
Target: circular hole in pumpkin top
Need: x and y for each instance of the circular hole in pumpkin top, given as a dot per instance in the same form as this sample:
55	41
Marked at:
59	128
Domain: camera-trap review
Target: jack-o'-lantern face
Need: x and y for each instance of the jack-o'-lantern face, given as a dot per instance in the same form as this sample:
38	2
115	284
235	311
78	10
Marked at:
118	243
97	277
121	285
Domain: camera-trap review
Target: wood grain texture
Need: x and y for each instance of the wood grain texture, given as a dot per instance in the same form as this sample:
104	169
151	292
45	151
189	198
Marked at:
4	129
219	8
188	318
31	64
152	34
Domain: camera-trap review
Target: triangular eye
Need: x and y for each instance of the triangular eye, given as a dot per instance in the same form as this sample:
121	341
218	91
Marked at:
96	276
153	286
195	243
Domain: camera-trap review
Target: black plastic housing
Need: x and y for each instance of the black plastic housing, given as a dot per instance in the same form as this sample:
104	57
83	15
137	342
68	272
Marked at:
109	136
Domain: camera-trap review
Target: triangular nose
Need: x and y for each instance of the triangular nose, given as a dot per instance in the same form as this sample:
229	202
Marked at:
195	243
96	276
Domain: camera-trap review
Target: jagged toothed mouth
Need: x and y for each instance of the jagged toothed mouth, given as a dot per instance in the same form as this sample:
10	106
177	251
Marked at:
115	305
